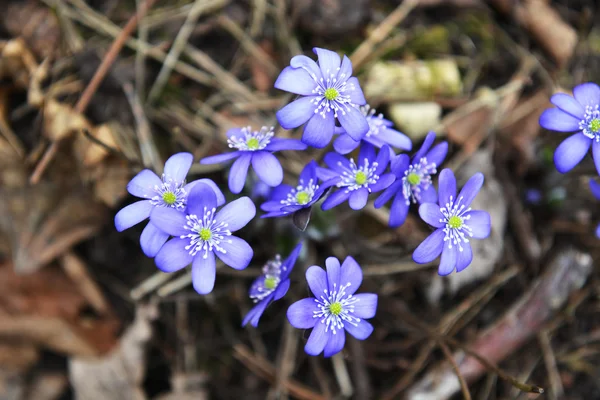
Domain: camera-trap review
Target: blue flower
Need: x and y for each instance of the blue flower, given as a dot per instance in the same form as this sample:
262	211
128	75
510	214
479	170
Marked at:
456	224
286	199
272	285
200	233
256	147
335	308
169	192
595	188
380	133
329	91
579	114
413	180
355	182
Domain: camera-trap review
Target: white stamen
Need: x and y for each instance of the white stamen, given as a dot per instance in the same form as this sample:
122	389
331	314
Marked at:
252	140
350	175
310	188
169	186
332	321
218	233
591	114
424	171
271	270
456	236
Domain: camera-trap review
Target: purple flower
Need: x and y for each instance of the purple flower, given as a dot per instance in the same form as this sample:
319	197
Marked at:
256	147
579	114
380	133
286	199
413	180
595	188
329	91
335	308
456	223
200	233
272	285
355	182
169	192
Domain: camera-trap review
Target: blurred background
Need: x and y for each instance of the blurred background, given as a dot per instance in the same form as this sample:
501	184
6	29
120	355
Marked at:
91	92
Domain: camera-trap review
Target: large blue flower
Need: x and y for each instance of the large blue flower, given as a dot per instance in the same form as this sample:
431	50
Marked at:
456	224
272	285
579	114
254	147
413	179
169	192
201	233
335	309
329	92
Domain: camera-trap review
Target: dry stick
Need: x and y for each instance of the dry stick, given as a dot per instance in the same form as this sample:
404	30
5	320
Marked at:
341	374
140	56
556	389
286	362
91	88
463	385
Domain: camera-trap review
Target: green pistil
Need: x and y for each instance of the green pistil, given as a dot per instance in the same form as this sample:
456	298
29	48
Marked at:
414	179
270	283
302	198
169	198
252	144
205	234
594	125
361	178
455	222
335	308
331	94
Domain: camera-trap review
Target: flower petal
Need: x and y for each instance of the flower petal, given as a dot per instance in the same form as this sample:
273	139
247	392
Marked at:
353	121
256	312
319	130
220	158
336	162
143	184
568	104
448	260
383	159
307	64
169	221
399	165
268	168
428	195
588	94
317	340
358	198
366	306
178	166
238	252
204	272
598	231
438	154
361	331
309	172
595	188
395	139
345	69
344	144
333	274
316	277
571	151
173	256
281	290
335	344
429	139
398	211
296	113
596	154
390	192
290	261
295	80
133	214
383	182
430	248
329	62
355	92
237	214
480	223
278	144
335	199
447	187
471	188
464	257
238	173
152	239
366	153
350	274
212	184
201	197
555	119
430	213
301	313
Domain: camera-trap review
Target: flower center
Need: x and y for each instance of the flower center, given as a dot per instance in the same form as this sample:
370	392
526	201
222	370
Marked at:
414	179
590	124
169	194
266	284
331	94
270	282
417	179
335	308
594	125
303	197
375	122
361	178
301	194
455	222
206	234
251	140
169	198
252	143
355	177
455	217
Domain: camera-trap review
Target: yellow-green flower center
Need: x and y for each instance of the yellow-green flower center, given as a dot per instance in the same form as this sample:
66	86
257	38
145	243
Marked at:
455	222
270	283
169	198
414	179
331	94
361	178
205	234
594	125
335	308
252	144
302	198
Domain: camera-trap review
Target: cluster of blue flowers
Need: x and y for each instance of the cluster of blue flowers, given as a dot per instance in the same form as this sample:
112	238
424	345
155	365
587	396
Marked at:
330	102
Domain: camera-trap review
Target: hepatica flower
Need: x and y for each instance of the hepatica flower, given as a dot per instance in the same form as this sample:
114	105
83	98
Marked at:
380	133
334	309
595	188
356	181
456	224
254	147
169	191
413	180
286	199
579	114
272	285
329	92
201	233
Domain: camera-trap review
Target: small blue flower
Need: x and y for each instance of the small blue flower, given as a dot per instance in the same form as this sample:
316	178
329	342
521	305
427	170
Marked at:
456	224
286	199
169	192
355	182
201	233
256	147
329	92
380	133
579	114
335	309
413	180
272	285
595	188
